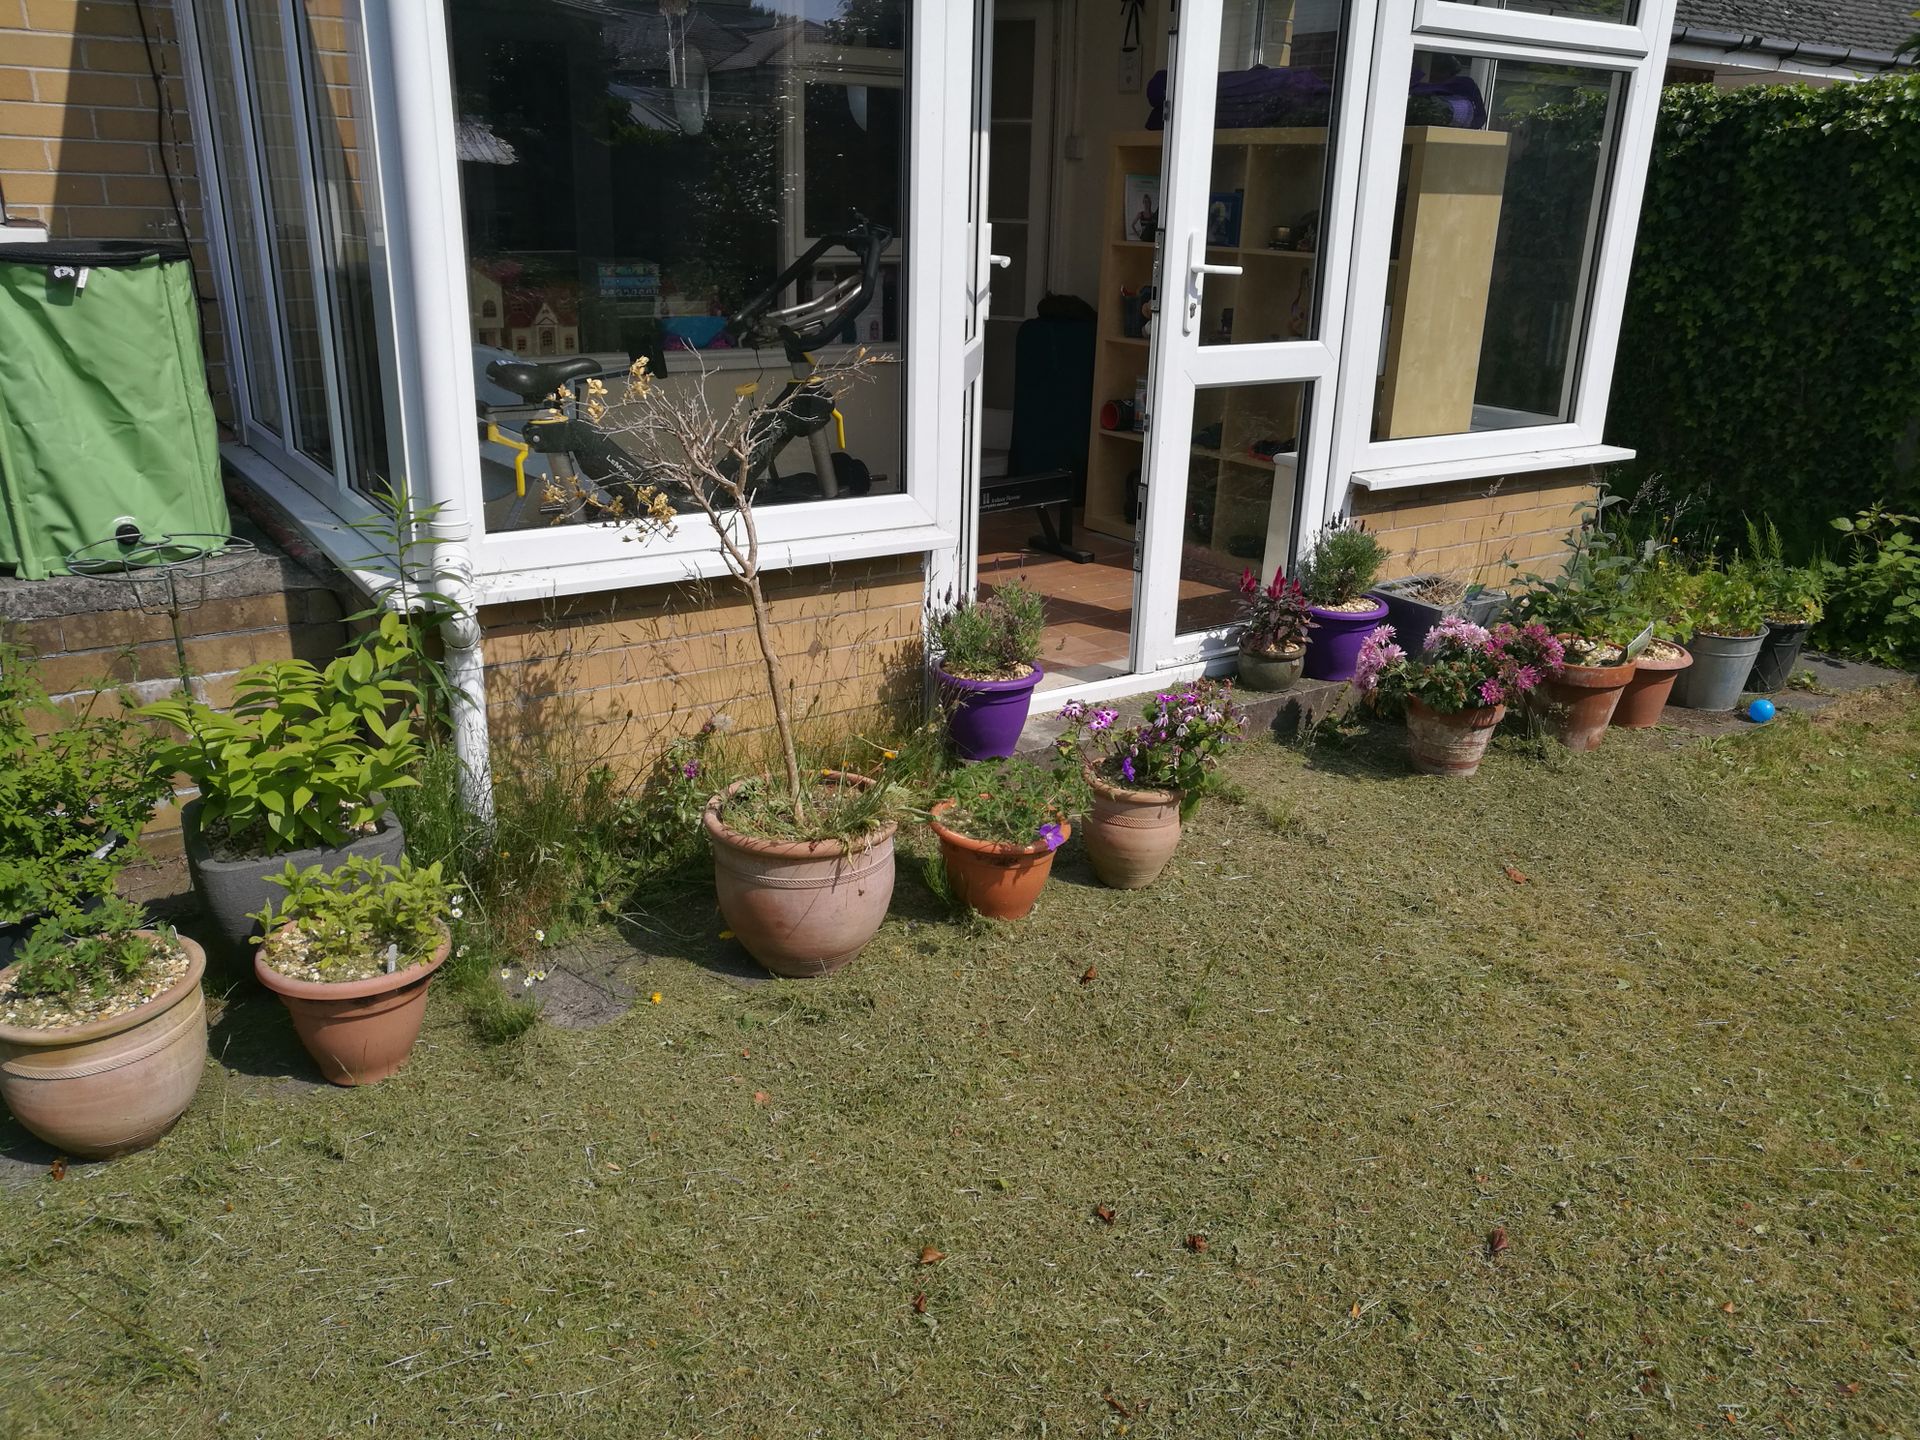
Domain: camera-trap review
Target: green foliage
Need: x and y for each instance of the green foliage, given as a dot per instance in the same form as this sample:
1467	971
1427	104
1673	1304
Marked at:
404	541
1342	565
849	814
1725	599
1770	351
1789	594
67	797
1661	591
362	919
297	760
1596	600
1873	605
1008	802
74	956
992	638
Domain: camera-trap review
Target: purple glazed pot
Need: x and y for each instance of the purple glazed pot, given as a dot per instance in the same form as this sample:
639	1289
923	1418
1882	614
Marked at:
985	717
1333	644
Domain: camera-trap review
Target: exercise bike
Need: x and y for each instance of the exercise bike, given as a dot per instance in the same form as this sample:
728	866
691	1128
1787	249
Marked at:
579	452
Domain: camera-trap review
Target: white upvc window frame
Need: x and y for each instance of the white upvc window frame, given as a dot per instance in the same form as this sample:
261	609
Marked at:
1636	53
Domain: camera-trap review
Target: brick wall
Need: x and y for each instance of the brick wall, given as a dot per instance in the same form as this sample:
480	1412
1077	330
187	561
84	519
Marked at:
86	141
619	675
1470	530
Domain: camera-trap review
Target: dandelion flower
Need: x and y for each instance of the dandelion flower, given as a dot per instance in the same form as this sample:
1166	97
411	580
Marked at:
655	998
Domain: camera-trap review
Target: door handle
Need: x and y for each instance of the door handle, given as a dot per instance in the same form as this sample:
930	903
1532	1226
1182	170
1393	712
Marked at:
1000	262
1197	271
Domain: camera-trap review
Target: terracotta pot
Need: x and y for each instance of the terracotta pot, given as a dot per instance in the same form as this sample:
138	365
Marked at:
1646	695
1130	834
1579	701
1000	881
112	1085
357	1031
1271	669
1451	745
801	908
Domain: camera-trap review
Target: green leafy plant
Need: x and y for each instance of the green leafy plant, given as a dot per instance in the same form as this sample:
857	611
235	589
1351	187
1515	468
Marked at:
1594	604
1789	594
1008	802
1725	599
1176	745
73	798
1873	605
362	919
1341	566
1660	591
298	759
94	955
996	637
762	805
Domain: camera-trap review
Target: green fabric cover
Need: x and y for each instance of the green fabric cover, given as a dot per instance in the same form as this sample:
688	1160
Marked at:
103	402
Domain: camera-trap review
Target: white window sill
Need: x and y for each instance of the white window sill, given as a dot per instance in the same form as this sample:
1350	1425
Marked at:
1442	472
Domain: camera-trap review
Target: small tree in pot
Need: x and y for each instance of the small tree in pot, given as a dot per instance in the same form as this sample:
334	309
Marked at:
999	824
989	664
1273	639
1457	687
1336	575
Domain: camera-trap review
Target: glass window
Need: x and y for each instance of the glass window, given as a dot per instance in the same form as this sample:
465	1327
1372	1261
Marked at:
681	181
1501	178
1242	496
1622	11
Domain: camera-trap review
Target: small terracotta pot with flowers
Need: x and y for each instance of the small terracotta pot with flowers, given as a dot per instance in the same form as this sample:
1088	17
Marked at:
1457	688
1147	778
1273	640
351	952
999	826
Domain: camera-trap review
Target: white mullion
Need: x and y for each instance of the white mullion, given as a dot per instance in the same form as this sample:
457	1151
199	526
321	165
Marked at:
941	427
1447	21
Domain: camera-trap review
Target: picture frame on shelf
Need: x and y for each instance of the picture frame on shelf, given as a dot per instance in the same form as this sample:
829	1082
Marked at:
1141	210
1223	218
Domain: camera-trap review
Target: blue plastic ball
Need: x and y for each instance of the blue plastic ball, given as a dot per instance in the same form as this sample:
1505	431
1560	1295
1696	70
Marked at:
1760	711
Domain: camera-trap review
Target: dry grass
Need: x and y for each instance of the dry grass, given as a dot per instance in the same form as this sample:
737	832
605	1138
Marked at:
1675	1068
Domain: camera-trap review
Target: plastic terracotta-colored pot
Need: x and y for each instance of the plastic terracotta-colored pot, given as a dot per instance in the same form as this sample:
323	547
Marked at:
985	717
1130	834
1002	882
1271	669
1646	695
1721	664
112	1085
357	1031
1779	656
1579	701
1451	745
801	907
1333	644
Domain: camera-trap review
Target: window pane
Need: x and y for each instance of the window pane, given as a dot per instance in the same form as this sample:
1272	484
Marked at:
1241	494
1501	178
1278	66
636	175
1618	10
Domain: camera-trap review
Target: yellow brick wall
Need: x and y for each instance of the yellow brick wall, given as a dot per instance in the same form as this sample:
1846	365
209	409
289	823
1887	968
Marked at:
1471	530
616	676
85	144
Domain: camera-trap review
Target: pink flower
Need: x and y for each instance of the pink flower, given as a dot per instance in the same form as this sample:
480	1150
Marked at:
1491	693
1378	653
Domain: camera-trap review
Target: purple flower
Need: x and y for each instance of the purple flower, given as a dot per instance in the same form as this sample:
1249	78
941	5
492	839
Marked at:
1527	677
1126	767
1491	693
1051	834
1102	719
691	769
1073	710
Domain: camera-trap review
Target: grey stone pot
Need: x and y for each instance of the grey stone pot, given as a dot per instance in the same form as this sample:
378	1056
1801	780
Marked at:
231	890
1720	667
1271	672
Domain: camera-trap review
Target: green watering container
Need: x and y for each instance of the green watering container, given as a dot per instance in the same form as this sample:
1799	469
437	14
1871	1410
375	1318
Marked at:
106	429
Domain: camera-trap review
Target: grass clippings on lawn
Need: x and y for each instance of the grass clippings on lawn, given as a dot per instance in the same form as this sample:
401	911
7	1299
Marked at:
1579	1099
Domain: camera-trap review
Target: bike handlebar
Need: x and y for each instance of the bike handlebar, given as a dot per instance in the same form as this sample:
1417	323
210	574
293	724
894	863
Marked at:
812	322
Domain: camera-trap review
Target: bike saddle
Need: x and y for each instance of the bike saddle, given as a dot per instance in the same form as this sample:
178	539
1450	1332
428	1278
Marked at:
537	379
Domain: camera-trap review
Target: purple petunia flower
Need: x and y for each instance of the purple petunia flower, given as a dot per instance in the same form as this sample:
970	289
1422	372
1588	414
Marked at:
1051	834
1126	767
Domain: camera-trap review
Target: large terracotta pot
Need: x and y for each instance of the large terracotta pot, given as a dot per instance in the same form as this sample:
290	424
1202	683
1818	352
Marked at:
801	908
1130	834
1579	701
357	1031
1000	881
1271	669
1646	695
113	1085
1451	745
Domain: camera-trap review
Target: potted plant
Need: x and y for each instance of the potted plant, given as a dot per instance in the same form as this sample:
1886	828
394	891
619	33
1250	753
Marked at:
999	824
989	663
1457	686
350	952
1793	600
294	773
1273	637
1728	617
103	1030
1335	575
1590	608
1658	591
74	796
1416	603
803	860
1147	778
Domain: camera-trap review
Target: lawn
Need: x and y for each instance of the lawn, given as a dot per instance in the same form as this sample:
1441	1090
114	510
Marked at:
1577	1099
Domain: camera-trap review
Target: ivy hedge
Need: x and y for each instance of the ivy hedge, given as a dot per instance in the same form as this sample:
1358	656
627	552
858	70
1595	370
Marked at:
1770	353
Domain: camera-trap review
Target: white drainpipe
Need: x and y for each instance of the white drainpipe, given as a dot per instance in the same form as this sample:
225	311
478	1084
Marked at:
411	73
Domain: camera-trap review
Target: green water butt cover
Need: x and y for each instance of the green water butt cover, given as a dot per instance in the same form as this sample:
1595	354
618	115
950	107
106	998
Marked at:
104	411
